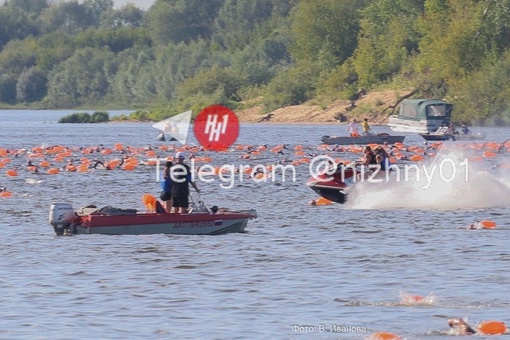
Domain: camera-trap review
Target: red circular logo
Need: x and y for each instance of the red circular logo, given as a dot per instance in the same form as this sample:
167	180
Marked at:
216	127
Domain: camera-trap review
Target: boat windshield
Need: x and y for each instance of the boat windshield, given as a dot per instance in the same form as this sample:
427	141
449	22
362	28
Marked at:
437	110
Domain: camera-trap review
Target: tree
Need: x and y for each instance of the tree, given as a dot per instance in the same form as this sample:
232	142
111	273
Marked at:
388	37
448	47
127	16
80	79
69	17
326	24
18	55
175	21
15	24
7	88
484	96
30	7
31	86
237	19
96	8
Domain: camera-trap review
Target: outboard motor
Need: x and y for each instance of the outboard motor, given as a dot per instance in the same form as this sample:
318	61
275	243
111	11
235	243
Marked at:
61	216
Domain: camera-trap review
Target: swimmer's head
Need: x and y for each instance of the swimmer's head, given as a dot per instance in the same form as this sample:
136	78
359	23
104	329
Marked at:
460	326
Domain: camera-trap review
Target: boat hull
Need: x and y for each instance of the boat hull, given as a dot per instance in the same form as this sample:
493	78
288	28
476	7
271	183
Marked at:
455	137
332	187
369	139
398	124
152	223
332	194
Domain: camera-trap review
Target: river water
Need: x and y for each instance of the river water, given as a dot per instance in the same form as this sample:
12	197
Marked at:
299	272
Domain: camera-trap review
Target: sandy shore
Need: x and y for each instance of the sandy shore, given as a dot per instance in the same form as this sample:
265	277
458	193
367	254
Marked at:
375	106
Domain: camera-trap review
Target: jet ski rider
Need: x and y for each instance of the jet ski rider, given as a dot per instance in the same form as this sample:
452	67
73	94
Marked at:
368	157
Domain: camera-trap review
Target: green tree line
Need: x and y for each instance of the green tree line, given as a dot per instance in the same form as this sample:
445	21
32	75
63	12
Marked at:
187	54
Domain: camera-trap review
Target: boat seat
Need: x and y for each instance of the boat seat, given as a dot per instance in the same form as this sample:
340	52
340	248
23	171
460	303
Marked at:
112	211
86	210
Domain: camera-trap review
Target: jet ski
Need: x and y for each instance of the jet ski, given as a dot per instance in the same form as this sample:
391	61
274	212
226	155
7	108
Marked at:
334	183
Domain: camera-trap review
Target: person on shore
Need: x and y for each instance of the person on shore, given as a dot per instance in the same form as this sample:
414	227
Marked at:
181	179
166	184
353	128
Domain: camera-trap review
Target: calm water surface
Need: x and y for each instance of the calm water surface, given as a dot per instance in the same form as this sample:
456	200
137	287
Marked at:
344	265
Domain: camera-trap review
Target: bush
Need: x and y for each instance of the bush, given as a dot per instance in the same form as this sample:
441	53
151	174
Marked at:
84	117
100	117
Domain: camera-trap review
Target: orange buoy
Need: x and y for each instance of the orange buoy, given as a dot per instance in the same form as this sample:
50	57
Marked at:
489	154
323	201
129	166
486	224
71	168
11	173
53	171
112	164
416	158
384	336
150	153
149	201
475	159
492	327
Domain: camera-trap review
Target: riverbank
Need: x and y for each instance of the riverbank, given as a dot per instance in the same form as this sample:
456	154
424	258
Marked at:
376	106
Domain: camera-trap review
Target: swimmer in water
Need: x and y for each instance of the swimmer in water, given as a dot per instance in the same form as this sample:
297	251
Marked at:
460	327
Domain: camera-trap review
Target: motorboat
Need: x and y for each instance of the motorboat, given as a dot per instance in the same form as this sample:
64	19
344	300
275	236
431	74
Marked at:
380	138
421	116
199	220
334	183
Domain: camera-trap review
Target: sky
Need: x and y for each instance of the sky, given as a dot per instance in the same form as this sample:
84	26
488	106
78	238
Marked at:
142	4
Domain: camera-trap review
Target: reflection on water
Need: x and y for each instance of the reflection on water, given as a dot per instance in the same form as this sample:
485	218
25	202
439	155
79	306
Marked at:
296	265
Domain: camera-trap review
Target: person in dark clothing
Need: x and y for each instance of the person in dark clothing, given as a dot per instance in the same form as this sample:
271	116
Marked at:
181	179
368	156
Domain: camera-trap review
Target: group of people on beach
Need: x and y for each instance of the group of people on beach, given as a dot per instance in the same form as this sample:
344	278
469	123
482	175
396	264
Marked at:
175	185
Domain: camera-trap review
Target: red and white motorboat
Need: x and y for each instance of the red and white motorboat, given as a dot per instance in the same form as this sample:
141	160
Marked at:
113	221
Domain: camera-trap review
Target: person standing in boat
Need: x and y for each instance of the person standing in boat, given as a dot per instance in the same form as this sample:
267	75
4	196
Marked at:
166	184
365	127
353	128
181	179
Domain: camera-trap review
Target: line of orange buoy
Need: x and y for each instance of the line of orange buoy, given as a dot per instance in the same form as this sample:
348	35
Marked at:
129	158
